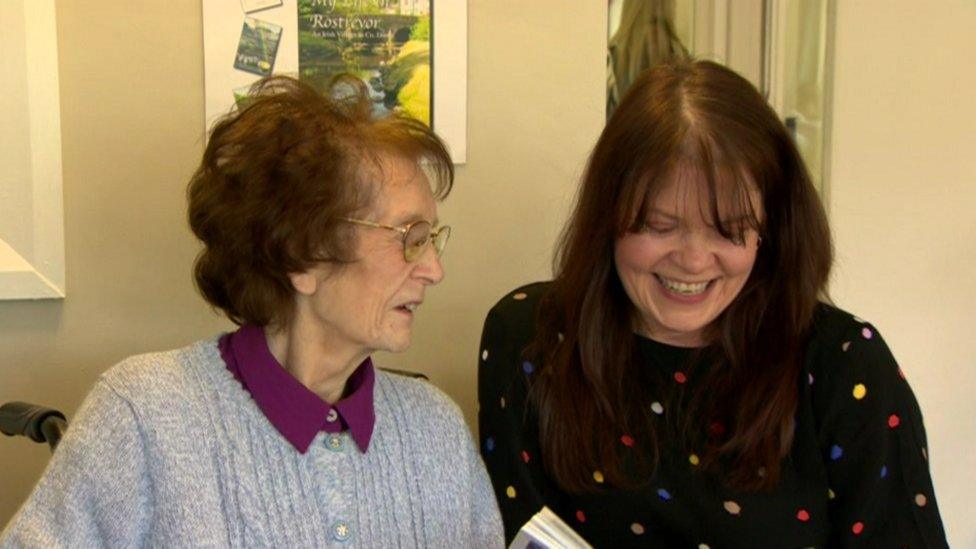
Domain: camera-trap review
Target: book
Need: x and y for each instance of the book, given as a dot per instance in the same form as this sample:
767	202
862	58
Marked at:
545	530
258	46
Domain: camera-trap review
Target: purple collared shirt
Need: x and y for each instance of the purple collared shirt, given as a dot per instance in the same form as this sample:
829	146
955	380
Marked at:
295	411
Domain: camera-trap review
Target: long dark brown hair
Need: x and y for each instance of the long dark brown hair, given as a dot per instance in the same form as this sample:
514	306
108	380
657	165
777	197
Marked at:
741	412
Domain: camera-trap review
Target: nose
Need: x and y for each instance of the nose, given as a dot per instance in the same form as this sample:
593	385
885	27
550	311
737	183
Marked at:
429	267
693	254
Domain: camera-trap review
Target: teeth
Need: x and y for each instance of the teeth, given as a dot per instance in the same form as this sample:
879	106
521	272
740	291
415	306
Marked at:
410	307
683	288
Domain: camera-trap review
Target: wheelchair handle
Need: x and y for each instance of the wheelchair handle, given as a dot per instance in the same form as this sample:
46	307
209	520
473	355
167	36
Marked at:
38	423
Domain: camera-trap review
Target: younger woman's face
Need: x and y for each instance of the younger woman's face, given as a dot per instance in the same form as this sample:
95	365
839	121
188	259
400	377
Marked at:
679	271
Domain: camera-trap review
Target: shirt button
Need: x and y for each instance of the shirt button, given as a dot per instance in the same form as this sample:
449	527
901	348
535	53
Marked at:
341	531
333	415
334	443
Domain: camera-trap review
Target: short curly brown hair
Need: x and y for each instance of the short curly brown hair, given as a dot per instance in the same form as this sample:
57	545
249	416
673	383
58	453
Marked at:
277	175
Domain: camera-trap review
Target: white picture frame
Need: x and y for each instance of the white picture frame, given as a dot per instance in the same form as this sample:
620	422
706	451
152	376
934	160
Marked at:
31	201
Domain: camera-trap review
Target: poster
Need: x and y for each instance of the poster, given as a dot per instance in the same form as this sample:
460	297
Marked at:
384	43
411	54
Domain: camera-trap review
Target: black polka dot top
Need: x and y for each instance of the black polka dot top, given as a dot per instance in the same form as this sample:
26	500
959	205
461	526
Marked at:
857	475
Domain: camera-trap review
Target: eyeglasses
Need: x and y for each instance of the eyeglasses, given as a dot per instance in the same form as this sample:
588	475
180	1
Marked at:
416	236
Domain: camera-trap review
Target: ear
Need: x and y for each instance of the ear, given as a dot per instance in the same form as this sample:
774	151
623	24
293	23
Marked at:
305	283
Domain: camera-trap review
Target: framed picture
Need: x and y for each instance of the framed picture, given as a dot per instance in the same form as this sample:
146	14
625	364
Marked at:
31	203
411	54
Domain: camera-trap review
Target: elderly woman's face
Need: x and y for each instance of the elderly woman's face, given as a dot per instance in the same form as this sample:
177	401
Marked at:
370	304
679	272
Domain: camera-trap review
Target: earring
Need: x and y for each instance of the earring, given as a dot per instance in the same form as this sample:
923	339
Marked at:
758	241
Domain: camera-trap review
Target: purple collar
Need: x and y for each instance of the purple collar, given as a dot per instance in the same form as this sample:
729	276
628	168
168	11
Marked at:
295	411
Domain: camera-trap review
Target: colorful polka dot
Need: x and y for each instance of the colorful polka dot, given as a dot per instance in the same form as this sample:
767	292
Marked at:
761	472
663	494
846	345
920	500
857	528
637	528
703	546
525	456
510	492
598	477
810	379
859	391
560	337
893	421
520	296
501	402
884	471
866	332
489	444
732	507
581	516
484	354
803	515
836	452
693	459
627	441
527	367
680	377
657	408
831	494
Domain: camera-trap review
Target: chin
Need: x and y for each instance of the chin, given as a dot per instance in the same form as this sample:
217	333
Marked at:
397	346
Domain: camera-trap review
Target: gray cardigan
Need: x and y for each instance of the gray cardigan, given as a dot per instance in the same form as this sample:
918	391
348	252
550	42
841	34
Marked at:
169	450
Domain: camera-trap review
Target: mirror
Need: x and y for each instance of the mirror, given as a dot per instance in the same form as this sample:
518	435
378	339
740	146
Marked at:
782	46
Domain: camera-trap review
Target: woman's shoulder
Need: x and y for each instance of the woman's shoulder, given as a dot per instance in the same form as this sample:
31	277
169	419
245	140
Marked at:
848	363
163	376
520	300
417	400
836	335
510	324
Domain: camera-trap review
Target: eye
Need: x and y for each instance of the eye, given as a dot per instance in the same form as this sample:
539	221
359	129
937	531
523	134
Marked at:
737	235
659	227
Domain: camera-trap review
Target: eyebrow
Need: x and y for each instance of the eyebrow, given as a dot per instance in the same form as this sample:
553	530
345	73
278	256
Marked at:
410	218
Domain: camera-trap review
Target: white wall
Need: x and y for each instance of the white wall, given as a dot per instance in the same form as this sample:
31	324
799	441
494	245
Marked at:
902	202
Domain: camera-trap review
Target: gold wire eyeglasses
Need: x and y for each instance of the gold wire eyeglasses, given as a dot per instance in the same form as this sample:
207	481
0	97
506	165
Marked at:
416	236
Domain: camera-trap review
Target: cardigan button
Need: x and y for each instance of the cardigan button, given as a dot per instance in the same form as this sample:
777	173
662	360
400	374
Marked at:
334	443
341	531
333	416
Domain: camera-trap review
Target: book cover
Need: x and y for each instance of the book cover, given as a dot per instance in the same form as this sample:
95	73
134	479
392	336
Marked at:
258	46
384	43
251	6
545	530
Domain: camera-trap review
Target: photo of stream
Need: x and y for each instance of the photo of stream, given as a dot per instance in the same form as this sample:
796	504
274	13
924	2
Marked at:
385	43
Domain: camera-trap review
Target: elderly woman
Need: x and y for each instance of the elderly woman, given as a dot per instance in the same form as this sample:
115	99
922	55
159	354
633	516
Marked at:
321	240
681	383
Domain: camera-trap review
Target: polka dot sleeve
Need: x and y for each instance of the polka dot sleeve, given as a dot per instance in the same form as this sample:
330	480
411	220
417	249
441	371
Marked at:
508	427
874	448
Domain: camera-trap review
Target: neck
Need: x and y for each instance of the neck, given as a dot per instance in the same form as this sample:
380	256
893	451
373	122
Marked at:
308	356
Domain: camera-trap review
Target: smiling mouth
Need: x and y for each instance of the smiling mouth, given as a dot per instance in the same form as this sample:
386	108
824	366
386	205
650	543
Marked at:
683	288
408	307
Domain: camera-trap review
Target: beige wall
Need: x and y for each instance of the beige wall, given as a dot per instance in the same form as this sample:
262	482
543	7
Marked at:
132	106
902	202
